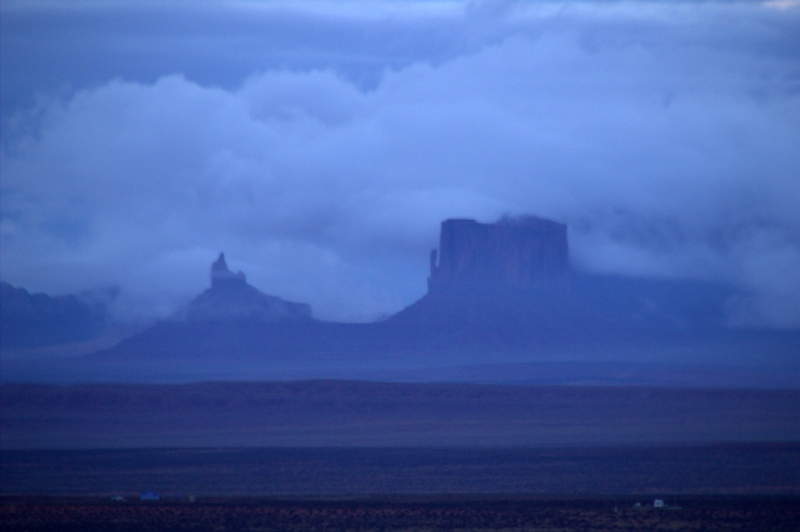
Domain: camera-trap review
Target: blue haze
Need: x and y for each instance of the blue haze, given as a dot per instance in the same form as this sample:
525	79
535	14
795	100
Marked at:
320	144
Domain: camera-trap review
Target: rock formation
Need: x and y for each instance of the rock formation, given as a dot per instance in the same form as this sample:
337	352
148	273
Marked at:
222	276
498	294
523	253
37	320
230	297
515	274
511	274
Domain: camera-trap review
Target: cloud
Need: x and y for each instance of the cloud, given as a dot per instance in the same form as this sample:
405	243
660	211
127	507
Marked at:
664	135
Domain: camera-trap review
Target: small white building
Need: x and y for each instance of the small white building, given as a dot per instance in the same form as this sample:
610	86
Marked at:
658	503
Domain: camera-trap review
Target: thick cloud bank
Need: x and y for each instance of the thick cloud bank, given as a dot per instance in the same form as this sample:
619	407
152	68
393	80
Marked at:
666	135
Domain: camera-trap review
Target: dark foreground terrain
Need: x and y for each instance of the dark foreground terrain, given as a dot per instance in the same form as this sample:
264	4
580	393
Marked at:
462	513
725	487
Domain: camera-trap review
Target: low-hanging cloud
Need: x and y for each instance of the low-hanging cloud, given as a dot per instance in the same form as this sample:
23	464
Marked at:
665	136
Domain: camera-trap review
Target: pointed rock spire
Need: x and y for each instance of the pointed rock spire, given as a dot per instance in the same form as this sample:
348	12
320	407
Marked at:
221	274
231	298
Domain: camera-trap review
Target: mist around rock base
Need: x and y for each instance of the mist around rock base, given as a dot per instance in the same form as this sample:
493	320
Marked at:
503	306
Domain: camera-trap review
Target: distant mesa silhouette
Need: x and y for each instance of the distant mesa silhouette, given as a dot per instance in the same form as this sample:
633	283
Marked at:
36	320
516	273
492	286
510	273
231	298
501	292
524	252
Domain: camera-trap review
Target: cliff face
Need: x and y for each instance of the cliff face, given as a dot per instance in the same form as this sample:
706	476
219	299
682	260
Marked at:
509	275
527	252
515	274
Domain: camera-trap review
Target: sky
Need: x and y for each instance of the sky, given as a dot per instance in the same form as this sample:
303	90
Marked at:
319	144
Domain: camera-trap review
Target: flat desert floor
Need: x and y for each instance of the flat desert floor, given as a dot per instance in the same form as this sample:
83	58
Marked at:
330	455
370	414
650	472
